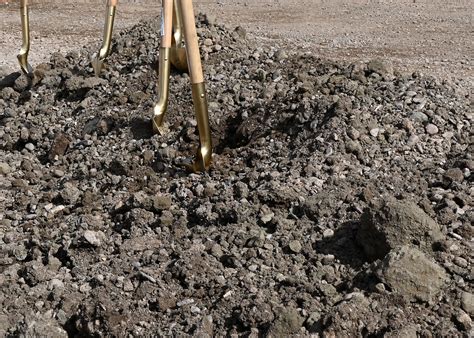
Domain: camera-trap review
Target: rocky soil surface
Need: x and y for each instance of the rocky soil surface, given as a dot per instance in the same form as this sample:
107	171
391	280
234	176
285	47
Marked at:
339	202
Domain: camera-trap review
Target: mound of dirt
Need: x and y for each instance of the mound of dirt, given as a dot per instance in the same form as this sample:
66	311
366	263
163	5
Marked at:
101	233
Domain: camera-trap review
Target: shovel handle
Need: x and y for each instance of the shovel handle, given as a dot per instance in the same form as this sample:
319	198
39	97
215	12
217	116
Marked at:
167	24
23	3
112	2
192	44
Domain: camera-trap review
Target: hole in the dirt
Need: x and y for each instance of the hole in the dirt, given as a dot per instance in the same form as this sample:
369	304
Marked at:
343	245
141	129
19	145
229	261
233	135
235	320
64	258
72	95
270	228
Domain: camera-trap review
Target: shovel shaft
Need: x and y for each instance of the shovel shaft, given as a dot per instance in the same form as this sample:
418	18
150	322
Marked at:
25	27
25	36
203	158
192	45
167	24
108	29
178	24
178	50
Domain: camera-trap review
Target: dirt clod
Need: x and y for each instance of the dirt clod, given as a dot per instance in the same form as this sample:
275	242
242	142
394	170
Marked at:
409	273
392	223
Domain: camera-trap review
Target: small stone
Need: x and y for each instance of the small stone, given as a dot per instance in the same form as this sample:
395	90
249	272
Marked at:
241	32
287	323
185	302
30	146
467	302
374	132
70	193
353	133
328	259
128	286
295	246
24	134
58	173
328	233
208	42
412	140
454	175
4	168
419	116
464	321
55	284
266	214
166	301
85	288
459	261
162	202
59	147
281	55
253	267
431	129
195	309
241	190
92	237
148	156
380	287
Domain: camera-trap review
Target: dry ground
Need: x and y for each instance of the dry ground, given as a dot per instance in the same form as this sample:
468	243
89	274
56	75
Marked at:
434	37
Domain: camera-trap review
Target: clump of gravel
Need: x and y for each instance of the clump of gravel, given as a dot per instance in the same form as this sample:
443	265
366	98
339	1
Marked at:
101	233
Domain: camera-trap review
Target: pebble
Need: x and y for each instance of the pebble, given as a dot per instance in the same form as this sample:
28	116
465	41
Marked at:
92	237
4	168
459	261
431	129
328	233
419	116
464	320
58	173
295	246
374	132
55	284
30	146
185	302
128	286
85	288
467	302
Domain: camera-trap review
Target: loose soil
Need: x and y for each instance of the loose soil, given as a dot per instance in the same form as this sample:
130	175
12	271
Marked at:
340	201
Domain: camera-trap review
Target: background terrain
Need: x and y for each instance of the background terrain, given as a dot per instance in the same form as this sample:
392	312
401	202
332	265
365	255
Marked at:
434	37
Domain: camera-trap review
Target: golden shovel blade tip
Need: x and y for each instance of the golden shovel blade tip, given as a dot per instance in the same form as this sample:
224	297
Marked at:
25	66
97	65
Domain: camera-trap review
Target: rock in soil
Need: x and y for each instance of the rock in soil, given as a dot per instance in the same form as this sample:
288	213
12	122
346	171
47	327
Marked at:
409	273
392	223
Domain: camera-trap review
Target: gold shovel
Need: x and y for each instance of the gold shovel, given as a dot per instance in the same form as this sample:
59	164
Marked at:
104	52
184	16
25	32
178	49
